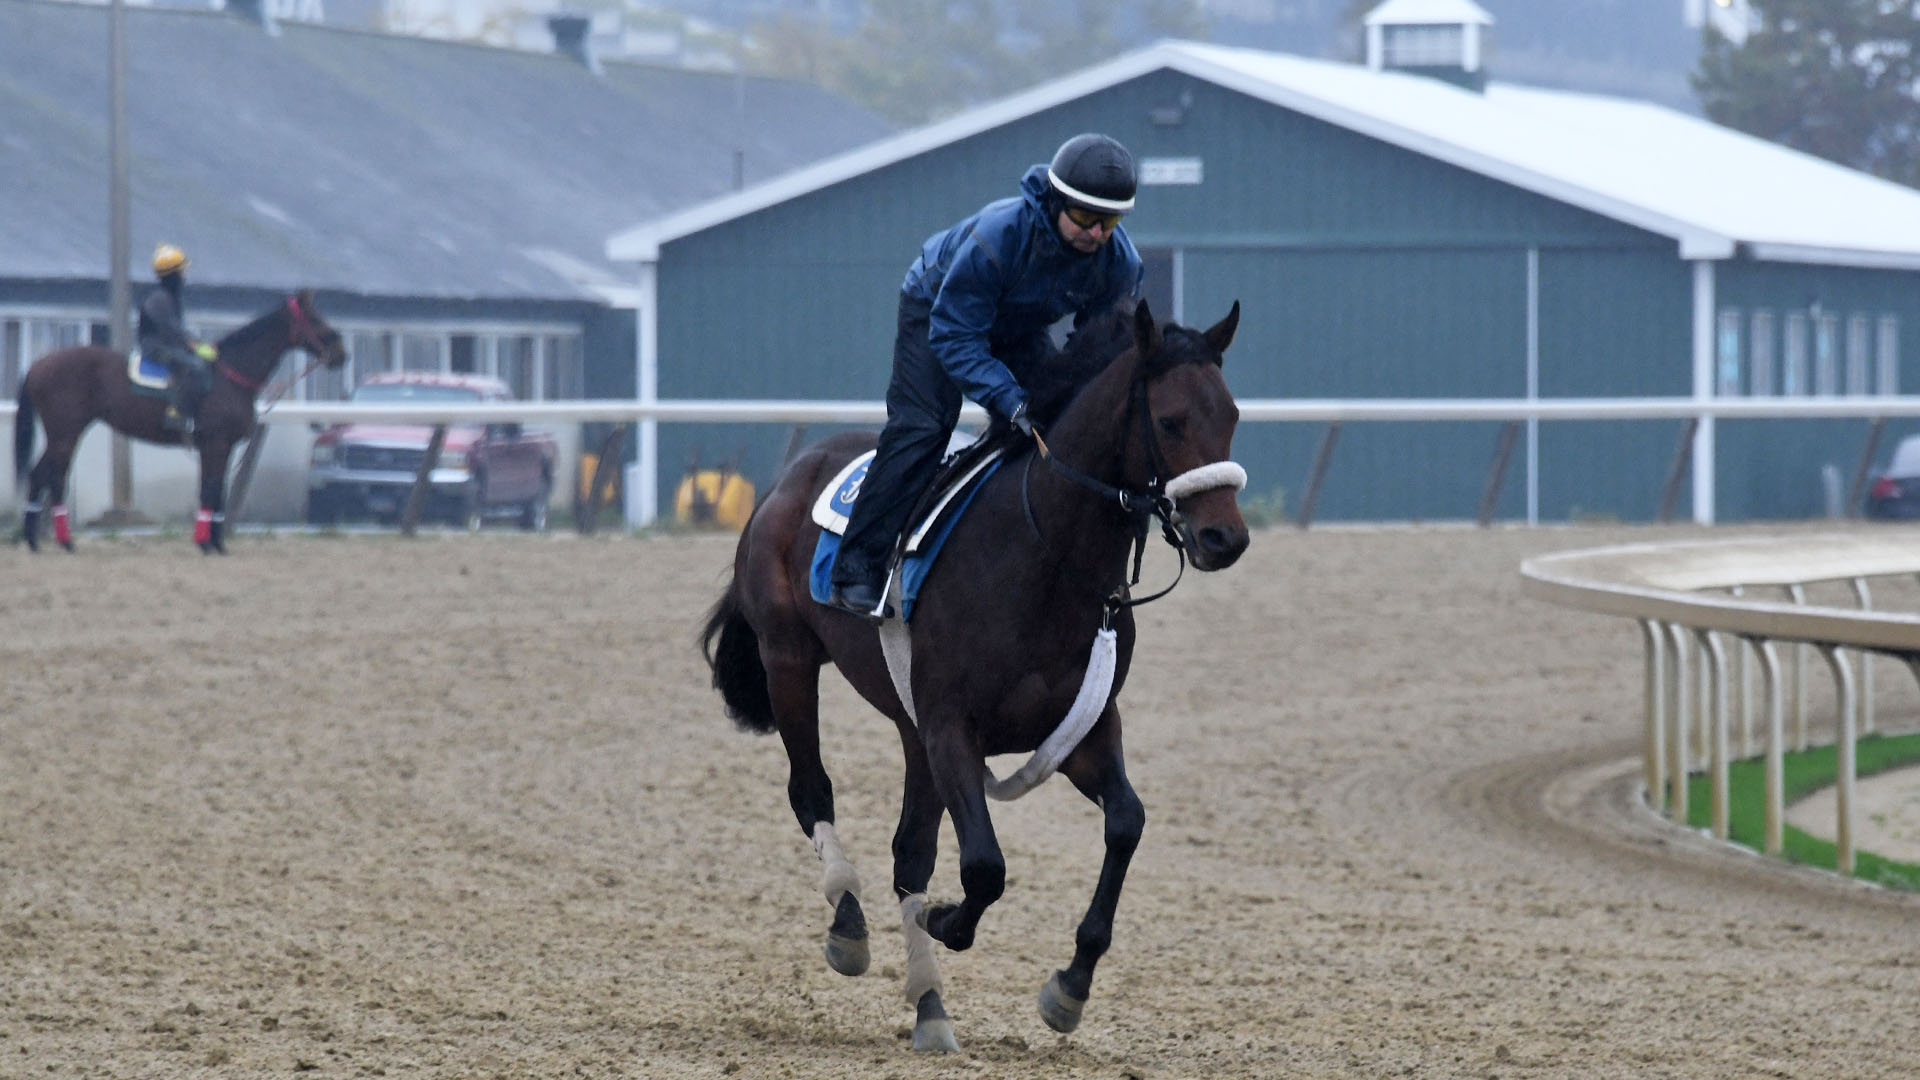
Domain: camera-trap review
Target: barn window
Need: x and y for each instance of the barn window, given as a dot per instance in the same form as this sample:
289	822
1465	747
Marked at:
1423	46
1726	354
1793	369
1859	348
1760	355
12	358
1887	356
1826	355
423	352
565	376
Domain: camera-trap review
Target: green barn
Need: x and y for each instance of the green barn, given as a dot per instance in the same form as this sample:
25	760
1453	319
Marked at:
1406	228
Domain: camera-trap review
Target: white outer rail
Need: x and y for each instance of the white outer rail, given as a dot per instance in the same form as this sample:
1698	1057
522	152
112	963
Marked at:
1259	410
1661	586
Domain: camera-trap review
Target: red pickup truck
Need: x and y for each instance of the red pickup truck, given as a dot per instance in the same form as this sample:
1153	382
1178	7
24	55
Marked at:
484	472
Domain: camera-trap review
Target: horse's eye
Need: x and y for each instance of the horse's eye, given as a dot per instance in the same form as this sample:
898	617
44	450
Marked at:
1172	426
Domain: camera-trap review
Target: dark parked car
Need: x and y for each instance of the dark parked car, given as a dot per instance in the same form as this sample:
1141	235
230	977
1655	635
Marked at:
484	471
1895	491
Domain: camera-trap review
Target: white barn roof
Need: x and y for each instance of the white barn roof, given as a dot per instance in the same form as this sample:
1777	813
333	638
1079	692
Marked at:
1708	187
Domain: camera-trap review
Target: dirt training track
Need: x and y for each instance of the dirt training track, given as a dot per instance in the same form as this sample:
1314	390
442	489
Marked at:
467	807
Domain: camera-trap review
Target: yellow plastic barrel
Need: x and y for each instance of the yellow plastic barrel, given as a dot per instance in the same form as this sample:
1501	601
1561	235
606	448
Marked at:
713	498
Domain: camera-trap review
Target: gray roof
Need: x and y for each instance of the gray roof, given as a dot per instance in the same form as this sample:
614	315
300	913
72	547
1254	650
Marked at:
1712	189
369	163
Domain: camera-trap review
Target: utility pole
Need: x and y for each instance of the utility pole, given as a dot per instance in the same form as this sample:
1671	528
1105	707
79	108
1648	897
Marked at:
118	245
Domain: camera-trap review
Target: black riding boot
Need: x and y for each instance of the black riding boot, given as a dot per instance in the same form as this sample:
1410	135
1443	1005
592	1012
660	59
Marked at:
922	406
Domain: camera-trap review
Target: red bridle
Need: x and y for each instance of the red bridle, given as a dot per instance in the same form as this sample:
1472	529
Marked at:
300	335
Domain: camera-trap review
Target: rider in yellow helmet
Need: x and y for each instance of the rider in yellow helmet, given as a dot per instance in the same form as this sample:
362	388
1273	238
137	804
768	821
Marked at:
163	336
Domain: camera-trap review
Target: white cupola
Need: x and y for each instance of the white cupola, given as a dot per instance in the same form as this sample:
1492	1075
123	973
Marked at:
1441	38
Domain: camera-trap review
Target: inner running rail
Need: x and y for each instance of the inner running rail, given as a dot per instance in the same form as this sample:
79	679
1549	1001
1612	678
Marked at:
1687	596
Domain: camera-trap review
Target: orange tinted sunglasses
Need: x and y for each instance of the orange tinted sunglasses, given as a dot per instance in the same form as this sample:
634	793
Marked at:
1087	219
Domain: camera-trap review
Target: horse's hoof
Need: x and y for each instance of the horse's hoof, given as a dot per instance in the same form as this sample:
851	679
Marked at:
938	919
1058	1008
848	955
932	1030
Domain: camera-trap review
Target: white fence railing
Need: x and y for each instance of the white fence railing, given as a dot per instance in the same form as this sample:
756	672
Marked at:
1254	410
1692	599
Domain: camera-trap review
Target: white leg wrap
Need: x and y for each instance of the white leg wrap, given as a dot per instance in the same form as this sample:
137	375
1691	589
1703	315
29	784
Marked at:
923	967
838	876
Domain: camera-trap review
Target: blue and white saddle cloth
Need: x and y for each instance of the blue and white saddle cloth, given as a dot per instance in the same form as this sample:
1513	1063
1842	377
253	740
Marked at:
834	507
146	373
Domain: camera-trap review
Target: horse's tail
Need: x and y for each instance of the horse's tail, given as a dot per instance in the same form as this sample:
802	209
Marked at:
733	652
23	434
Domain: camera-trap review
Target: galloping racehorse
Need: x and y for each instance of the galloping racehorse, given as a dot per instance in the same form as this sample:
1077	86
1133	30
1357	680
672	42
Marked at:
1034	571
71	388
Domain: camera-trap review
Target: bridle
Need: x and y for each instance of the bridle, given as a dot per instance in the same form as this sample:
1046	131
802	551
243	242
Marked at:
301	334
1158	500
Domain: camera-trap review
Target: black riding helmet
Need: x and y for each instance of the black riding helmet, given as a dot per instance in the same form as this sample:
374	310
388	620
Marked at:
1095	172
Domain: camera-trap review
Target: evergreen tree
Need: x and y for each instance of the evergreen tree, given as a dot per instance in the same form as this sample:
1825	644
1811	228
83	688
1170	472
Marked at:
1835	78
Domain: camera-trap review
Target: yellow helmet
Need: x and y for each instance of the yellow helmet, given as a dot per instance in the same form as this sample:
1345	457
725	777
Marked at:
168	259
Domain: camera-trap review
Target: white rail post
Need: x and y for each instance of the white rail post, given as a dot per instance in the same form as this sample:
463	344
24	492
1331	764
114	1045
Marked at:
1714	666
1866	662
1702	734
1653	747
1746	691
1800	652
1776	738
1677	731
1843	745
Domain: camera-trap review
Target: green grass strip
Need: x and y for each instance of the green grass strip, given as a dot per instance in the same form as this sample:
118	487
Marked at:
1805	773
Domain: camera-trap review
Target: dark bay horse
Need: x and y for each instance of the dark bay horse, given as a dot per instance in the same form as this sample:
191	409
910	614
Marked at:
68	389
1035	570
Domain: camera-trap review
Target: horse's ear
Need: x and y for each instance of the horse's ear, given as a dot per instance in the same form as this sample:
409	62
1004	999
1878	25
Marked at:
1220	334
1146	335
305	296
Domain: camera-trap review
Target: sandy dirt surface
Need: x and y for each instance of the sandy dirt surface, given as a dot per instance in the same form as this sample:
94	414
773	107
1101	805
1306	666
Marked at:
467	807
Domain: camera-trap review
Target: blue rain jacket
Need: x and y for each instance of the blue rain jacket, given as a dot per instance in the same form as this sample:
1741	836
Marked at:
997	280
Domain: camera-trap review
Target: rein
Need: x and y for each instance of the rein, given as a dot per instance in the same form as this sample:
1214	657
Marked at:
299	333
1140	506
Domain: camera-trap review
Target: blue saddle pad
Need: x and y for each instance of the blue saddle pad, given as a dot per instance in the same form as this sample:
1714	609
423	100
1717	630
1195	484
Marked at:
149	377
914	568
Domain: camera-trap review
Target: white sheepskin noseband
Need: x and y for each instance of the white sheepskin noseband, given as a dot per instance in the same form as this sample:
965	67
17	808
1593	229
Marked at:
1205	478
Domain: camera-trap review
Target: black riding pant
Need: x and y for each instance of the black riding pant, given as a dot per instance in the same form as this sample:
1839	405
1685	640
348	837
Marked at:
189	372
923	405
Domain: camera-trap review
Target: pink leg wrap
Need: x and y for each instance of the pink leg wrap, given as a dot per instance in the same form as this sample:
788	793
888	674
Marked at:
62	531
203	526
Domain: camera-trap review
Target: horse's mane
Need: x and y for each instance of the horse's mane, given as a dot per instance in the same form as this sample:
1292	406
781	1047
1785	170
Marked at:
247	334
1097	343
1093	345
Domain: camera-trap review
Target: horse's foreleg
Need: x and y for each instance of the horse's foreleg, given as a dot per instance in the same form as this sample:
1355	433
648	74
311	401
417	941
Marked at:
915	846
794	689
1098	769
210	520
959	775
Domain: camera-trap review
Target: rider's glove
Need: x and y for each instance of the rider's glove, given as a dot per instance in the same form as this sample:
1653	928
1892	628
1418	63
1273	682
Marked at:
205	352
1020	421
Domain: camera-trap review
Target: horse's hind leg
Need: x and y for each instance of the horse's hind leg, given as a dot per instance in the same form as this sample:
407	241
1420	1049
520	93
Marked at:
794	687
1098	770
47	484
915	845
